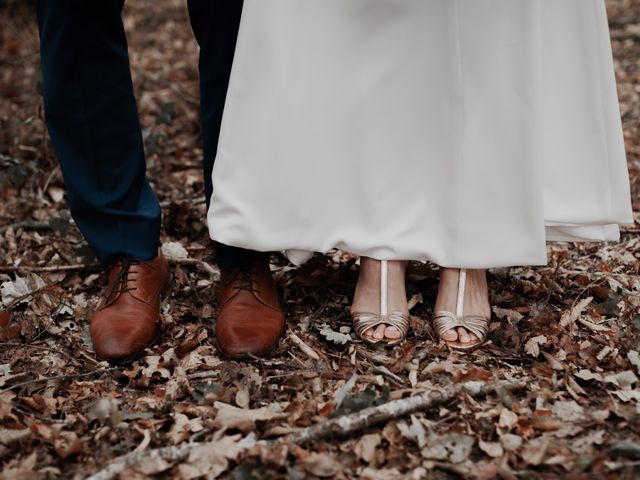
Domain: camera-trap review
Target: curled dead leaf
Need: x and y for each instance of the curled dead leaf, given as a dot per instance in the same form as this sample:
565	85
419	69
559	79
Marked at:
183	427
532	347
570	317
333	336
66	444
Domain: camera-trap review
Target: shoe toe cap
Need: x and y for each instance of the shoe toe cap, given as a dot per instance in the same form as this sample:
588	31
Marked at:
249	337
119	340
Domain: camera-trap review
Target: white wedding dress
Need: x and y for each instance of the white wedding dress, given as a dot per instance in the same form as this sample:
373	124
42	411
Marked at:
462	132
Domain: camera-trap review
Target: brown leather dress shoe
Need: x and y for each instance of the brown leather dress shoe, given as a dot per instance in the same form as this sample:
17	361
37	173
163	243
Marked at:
251	319
128	319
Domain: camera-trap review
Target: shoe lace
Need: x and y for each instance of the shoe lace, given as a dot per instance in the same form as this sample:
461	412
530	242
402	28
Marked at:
125	280
243	279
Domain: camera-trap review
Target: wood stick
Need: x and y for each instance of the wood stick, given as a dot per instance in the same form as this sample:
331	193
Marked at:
59	378
341	426
368	417
306	349
382	370
170	454
50	268
564	271
97	267
37	225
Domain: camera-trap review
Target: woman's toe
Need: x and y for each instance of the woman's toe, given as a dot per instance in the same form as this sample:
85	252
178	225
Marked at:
368	333
463	335
393	333
450	336
379	332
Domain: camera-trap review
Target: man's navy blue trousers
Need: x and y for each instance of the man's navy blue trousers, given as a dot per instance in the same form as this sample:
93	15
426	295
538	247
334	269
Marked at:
93	120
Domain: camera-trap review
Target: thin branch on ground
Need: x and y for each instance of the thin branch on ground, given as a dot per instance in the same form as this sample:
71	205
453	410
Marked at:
341	427
58	378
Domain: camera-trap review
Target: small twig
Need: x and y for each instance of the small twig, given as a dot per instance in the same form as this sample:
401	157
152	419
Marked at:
563	271
29	225
58	378
188	99
42	418
92	267
306	349
53	173
381	369
20	299
50	268
190	201
622	465
213	271
203	375
45	348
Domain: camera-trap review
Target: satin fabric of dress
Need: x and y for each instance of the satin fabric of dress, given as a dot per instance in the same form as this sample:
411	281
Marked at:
463	132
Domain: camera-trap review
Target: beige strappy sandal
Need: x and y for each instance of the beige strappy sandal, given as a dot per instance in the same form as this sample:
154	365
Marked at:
363	321
443	321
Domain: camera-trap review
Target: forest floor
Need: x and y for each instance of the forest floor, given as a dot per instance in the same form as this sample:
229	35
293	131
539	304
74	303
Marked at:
554	393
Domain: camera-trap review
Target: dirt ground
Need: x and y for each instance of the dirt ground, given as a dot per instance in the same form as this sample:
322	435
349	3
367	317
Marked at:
554	393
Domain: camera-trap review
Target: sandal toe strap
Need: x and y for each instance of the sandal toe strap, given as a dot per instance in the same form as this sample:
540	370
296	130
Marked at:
444	321
477	325
363	321
398	320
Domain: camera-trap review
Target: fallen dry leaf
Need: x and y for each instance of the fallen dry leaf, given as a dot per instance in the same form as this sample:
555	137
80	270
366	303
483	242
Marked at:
8	330
212	459
634	358
493	449
507	419
6	404
229	416
570	317
534	451
383	474
183	427
532	347
321	465
624	379
454	448
365	447
66	444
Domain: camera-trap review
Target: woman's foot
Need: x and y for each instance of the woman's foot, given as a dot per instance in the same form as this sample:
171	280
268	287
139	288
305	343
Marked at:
476	301
367	296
